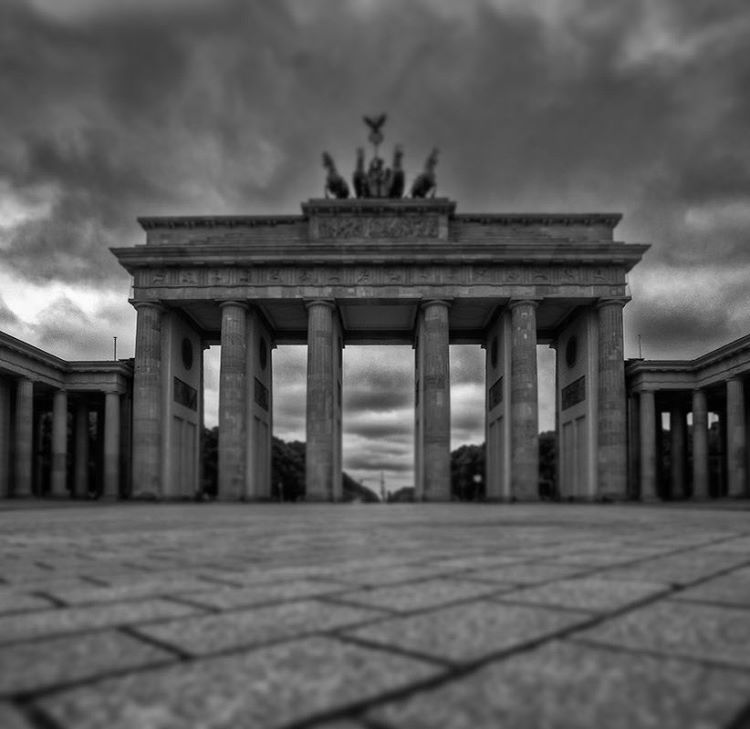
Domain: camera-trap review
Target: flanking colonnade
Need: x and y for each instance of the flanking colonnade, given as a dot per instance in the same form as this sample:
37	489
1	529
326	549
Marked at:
706	458
64	426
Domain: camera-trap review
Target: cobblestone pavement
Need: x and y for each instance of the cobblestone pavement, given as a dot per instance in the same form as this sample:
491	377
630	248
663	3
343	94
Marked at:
374	616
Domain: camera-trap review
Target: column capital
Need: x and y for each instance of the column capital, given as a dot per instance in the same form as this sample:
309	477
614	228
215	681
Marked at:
234	302
612	301
330	303
513	303
147	304
447	303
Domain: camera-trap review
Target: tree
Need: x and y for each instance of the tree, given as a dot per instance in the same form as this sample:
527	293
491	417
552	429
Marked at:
467	473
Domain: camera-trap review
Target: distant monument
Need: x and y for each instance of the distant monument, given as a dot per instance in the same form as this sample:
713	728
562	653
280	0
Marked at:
379	181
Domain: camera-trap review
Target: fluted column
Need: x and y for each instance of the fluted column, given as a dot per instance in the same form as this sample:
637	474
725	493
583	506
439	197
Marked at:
736	438
5	435
700	445
147	401
677	436
24	437
59	443
647	411
612	426
232	400
524	402
81	465
111	445
320	453
434	379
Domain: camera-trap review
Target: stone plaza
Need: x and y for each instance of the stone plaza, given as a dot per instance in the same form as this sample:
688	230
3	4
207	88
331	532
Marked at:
364	617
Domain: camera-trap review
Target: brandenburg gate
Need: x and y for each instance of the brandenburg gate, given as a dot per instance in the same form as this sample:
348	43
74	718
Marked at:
380	268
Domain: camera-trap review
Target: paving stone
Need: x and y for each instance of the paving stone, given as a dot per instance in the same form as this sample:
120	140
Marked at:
236	597
12	718
13	601
227	631
38	624
469	632
42	664
585	593
681	569
390	575
266	688
525	574
418	595
563	686
680	628
480	561
730	589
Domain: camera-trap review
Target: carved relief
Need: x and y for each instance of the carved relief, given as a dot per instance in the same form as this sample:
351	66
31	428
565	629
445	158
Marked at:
379	227
574	393
496	393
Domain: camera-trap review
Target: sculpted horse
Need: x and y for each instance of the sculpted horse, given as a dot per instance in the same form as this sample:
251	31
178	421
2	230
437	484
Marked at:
335	184
426	183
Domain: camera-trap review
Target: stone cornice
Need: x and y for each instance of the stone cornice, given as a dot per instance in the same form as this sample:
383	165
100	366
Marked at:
609	220
218	221
383	252
369	206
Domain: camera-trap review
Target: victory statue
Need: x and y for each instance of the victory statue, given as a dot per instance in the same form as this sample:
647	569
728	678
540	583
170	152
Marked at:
379	181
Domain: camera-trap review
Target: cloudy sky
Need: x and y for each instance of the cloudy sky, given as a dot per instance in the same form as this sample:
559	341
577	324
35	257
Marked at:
144	107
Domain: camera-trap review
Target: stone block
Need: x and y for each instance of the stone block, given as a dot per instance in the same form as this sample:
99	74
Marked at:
270	687
730	589
525	574
15	601
207	634
42	664
424	594
567	686
466	633
14	628
12	718
689	630
237	597
586	593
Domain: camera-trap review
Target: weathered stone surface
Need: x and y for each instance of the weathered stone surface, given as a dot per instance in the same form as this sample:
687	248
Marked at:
525	574
212	633
424	594
679	569
12	718
587	593
20	627
469	632
41	664
731	589
564	686
13	601
691	630
266	688
237	597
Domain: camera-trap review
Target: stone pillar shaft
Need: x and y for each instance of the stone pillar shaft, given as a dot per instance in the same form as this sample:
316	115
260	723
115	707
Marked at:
232	401
320	453
147	401
678	435
5	435
59	442
648	445
524	403
24	437
436	402
612	430
700	445
736	438
81	466
111	444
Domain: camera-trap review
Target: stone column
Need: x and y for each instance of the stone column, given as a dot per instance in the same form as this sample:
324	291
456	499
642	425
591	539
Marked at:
5	435
320	458
678	435
700	445
648	445
436	402
232	401
81	466
24	437
59	443
111	445
147	401
736	439
524	413
612	426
